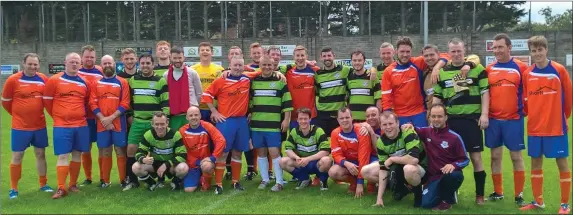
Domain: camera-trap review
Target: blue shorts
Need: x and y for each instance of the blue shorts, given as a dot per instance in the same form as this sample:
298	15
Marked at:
67	140
107	138
505	132
93	130
373	159
192	178
310	168
551	147
236	132
431	195
418	120
206	115
21	140
265	139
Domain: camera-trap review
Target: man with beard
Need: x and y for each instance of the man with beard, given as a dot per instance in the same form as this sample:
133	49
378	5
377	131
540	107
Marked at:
184	88
363	92
162	49
208	72
65	98
109	100
22	99
467	102
148	93
91	73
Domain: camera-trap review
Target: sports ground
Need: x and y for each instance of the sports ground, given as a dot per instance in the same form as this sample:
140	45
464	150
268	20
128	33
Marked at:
95	200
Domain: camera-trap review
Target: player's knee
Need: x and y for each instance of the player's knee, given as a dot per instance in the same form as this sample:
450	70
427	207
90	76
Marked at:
208	167
516	156
40	154
17	157
63	158
284	162
190	189
324	164
106	152
410	170
136	168
181	168
131	150
274	153
335	172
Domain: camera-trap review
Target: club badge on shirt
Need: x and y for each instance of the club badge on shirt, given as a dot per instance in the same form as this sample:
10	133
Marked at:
444	144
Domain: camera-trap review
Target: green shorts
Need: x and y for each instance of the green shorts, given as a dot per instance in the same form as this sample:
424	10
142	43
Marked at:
138	128
178	121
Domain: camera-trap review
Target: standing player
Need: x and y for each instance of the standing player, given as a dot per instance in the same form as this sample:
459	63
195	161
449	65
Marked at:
163	54
300	83
269	99
233	51
109	100
148	94
467	100
387	56
351	151
162	153
506	117
547	91
91	73
255	52
65	98
232	94
129	60
363	92
22	99
307	149
207	71
184	88
204	145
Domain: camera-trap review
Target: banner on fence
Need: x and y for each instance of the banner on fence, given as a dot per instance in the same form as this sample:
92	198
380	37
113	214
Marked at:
193	51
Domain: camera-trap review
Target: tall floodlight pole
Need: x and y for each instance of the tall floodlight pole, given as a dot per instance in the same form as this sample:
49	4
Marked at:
425	22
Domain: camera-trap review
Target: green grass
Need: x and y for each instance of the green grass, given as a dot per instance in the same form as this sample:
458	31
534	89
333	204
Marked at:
312	200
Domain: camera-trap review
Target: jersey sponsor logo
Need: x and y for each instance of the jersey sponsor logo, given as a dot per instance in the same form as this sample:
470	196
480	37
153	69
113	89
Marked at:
410	79
306	148
196	147
304	85
144	92
163	151
543	91
72	93
239	90
398	153
330	84
265	93
207	80
31	95
449	83
365	92
108	95
444	144
503	83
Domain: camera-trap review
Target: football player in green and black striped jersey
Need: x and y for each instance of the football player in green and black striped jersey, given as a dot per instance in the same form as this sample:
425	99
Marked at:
363	92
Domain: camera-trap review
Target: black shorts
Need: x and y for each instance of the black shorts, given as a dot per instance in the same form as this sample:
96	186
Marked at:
326	122
470	132
156	165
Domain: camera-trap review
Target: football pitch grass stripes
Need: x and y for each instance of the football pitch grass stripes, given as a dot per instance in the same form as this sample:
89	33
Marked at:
95	200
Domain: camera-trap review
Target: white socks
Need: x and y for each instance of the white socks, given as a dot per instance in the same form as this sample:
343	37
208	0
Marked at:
264	168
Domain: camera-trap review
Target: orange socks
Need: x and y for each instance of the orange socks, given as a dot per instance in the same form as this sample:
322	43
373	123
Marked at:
219	172
43	180
537	185
101	169
497	183
121	167
565	184
236	170
106	163
15	175
74	172
518	182
87	160
62	174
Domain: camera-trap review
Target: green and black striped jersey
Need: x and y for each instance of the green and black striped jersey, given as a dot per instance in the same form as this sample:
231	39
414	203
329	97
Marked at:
466	104
331	89
160	70
363	93
307	145
406	143
270	98
169	148
148	94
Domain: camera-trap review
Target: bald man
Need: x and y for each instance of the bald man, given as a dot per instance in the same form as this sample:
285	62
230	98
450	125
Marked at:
204	145
109	99
65	98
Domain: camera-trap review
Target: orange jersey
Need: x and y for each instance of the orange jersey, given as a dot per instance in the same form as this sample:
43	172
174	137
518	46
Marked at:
300	84
91	75
505	89
66	98
351	147
547	94
108	95
202	142
232	94
402	87
22	98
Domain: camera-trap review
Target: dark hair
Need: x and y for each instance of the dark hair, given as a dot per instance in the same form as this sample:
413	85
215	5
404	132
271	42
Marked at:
404	41
88	48
274	48
357	52
146	55
431	46
503	36
343	109
159	114
176	50
206	44
377	108
31	55
326	49
304	110
440	105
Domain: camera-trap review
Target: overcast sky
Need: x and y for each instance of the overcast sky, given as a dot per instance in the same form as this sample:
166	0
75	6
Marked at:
557	7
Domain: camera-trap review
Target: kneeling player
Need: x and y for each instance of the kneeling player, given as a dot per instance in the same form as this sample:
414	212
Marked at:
204	145
307	148
162	152
400	152
351	151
